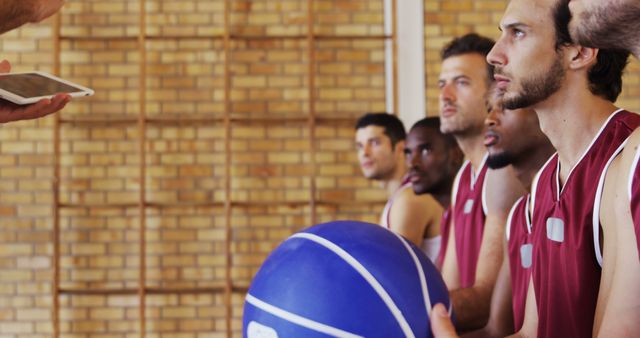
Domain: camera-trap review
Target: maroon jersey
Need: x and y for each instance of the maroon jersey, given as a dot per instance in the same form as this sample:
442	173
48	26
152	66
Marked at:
520	248
468	209
634	195
445	227
566	271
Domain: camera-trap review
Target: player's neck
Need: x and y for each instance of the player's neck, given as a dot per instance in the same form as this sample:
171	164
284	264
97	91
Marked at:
394	181
571	123
443	195
473	148
530	164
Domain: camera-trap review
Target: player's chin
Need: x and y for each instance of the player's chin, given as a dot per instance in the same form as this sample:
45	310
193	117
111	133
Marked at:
420	188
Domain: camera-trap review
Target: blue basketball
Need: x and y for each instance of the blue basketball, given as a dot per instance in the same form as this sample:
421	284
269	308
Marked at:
343	279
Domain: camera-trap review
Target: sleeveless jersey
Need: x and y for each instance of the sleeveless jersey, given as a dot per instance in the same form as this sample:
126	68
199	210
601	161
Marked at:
566	273
469	213
430	246
445	227
634	195
520	247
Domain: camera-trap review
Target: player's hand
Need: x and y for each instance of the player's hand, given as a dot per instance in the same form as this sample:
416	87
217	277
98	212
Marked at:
45	8
10	112
441	324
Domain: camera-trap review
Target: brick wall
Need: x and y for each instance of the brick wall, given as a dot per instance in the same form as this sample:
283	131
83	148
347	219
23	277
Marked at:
269	163
186	160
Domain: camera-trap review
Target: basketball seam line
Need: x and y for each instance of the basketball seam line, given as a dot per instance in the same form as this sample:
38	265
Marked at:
297	319
373	282
423	280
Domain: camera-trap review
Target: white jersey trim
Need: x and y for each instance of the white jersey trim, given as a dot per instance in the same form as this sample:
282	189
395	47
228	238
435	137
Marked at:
431	247
483	195
456	183
536	178
296	319
632	172
598	201
385	220
510	217
474	174
584	154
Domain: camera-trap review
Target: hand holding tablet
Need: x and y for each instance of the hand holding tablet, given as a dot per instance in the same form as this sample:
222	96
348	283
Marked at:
33	95
31	87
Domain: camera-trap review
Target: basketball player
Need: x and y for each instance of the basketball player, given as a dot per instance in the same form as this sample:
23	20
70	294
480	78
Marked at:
380	140
513	138
15	13
433	159
481	198
616	24
572	89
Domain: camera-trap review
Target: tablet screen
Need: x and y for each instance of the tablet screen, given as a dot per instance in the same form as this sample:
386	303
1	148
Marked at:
33	85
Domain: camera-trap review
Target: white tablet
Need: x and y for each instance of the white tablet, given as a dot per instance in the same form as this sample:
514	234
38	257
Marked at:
31	87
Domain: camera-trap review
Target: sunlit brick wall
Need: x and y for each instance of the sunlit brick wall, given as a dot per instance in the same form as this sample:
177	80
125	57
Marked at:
269	164
270	161
446	19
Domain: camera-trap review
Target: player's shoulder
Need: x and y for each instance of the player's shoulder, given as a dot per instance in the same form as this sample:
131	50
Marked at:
409	196
632	144
623	165
500	179
501	189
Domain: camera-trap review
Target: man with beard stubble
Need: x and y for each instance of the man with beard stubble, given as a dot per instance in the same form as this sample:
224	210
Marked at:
380	140
481	198
514	138
572	89
433	159
616	24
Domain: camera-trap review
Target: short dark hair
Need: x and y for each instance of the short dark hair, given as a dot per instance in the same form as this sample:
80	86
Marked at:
434	124
470	43
605	77
392	125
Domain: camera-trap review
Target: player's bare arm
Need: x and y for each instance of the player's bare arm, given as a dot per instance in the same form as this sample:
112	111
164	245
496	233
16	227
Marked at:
617	313
500	321
530	325
450	270
472	305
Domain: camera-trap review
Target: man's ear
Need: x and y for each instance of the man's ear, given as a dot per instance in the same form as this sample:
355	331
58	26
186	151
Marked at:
581	57
399	147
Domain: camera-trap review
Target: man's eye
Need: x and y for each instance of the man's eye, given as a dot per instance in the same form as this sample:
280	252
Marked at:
518	33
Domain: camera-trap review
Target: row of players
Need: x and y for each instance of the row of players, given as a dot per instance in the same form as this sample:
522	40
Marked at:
535	233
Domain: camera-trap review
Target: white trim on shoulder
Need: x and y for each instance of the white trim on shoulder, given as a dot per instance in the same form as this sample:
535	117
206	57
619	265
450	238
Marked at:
536	178
483	195
373	282
593	141
598	200
475	173
296	319
510	217
456	183
632	172
527	214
